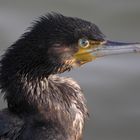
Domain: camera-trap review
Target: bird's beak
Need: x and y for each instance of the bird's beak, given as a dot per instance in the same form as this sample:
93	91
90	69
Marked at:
105	48
115	48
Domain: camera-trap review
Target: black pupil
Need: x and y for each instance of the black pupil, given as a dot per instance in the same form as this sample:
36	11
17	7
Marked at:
84	42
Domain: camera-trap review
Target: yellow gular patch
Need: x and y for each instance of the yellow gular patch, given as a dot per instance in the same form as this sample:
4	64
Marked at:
83	55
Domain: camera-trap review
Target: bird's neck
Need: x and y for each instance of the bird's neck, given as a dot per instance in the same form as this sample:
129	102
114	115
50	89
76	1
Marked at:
51	95
54	98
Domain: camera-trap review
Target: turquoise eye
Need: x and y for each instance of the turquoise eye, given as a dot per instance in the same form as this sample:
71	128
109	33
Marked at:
83	42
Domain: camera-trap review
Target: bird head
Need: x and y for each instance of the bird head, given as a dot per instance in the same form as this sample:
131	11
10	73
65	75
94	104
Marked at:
65	41
57	43
70	42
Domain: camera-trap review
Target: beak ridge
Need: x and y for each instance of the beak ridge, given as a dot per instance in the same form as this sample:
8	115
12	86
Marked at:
115	48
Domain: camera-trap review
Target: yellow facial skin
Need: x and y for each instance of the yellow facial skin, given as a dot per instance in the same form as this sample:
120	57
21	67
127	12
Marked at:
84	53
89	50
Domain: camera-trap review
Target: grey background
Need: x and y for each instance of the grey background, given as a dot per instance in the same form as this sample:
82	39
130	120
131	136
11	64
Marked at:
112	84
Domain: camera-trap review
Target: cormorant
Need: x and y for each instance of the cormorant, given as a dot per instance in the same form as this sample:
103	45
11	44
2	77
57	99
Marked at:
41	104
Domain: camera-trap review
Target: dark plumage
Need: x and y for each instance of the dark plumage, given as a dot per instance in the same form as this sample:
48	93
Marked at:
42	105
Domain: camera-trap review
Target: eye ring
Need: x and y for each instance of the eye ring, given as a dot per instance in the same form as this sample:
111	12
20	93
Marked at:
83	42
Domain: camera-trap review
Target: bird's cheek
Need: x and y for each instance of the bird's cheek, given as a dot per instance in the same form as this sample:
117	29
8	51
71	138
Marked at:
83	56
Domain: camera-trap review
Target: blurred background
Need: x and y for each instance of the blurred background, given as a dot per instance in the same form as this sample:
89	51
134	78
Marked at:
112	84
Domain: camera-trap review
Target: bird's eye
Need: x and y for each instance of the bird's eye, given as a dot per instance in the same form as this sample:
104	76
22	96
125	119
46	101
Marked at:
83	42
